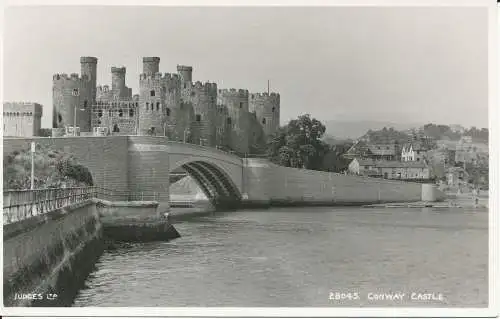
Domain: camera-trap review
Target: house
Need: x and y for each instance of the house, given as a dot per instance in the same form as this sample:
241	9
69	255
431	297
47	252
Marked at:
403	170
359	149
413	152
388	152
366	167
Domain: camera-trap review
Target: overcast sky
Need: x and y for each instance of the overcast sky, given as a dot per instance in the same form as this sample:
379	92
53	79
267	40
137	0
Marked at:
337	63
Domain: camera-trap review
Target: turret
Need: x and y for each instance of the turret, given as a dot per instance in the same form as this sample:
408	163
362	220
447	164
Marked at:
150	65
118	81
185	72
89	70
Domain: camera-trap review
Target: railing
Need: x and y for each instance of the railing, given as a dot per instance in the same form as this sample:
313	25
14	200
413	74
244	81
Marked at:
22	204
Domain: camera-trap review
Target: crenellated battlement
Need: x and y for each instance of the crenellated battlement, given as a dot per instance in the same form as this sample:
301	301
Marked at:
159	76
62	77
184	68
234	93
88	59
257	96
205	87
120	70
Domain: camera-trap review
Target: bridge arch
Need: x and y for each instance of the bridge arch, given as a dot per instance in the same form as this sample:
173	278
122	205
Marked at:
214	181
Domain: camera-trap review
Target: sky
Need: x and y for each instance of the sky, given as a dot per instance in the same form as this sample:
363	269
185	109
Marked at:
398	64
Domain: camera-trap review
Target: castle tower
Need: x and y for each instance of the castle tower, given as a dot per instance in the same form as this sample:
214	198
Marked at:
267	110
185	72
118	82
88	66
71	94
150	65
237	121
201	98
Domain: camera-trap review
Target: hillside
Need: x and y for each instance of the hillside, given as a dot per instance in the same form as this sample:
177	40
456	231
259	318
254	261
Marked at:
53	169
355	129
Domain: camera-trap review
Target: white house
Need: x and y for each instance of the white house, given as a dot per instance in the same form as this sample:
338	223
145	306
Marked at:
362	167
412	153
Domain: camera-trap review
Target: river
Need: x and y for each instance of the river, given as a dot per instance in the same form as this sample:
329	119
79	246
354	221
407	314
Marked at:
294	257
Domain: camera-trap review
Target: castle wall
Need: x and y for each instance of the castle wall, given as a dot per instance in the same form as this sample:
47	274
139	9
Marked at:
119	117
236	102
267	109
22	119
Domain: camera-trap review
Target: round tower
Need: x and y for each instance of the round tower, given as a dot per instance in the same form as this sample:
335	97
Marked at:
185	72
237	120
118	81
150	65
267	110
201	98
88	66
71	94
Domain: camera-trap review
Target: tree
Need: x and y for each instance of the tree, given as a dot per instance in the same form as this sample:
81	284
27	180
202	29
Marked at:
298	144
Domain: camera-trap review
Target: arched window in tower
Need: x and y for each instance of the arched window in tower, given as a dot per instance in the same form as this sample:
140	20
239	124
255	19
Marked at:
264	120
198	118
157	106
152	92
168	111
228	121
120	113
59	117
115	128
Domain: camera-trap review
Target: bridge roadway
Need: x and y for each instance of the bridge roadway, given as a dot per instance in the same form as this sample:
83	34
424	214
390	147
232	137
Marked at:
144	164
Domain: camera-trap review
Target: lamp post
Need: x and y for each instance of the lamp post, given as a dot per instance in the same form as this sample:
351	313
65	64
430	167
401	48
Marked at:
76	92
33	165
186	131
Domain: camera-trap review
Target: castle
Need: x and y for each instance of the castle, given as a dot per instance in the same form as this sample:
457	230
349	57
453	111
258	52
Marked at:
168	104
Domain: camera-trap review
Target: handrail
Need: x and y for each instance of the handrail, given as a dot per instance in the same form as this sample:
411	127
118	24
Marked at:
23	204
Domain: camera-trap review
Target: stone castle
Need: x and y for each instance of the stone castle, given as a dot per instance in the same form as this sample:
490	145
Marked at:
168	104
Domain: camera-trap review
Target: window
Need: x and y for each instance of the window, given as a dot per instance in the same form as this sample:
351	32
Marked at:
99	113
153	93
131	112
241	105
418	159
366	167
85	104
228	121
115	128
99	122
110	113
264	121
418	152
184	85
147	106
59	117
198	118
168	111
193	93
120	113
273	109
157	106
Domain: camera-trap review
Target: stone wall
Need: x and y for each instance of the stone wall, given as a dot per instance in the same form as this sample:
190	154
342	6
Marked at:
50	255
267	183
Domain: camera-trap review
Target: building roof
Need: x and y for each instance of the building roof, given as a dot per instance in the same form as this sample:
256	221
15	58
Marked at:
396	164
365	162
382	149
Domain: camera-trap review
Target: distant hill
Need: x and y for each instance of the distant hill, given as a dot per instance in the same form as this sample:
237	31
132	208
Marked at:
355	129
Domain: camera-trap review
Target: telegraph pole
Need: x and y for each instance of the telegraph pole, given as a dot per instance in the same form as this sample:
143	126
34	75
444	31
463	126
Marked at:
268	87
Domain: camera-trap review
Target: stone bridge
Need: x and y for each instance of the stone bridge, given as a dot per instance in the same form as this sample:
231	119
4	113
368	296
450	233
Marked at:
144	164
